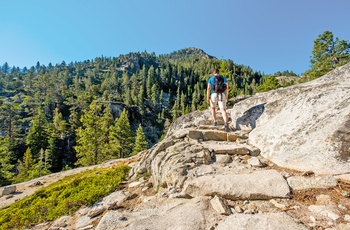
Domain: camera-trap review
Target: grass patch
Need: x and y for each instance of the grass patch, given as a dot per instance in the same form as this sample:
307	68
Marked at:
63	197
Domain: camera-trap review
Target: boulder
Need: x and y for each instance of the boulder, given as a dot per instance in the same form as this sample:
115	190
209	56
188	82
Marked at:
304	126
7	190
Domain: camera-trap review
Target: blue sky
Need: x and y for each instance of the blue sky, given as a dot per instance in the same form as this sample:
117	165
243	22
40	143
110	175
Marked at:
267	35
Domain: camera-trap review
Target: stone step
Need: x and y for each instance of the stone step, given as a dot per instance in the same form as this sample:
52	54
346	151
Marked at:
231	148
216	135
259	185
220	126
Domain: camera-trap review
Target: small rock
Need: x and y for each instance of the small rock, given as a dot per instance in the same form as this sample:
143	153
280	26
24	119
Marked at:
36	184
347	218
313	219
255	162
308	173
179	195
123	218
61	222
135	184
88	227
278	205
9	197
248	212
287	175
224	159
238	209
220	205
323	199
324	211
96	211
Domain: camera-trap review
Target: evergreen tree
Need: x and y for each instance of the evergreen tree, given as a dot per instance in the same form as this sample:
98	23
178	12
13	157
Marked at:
41	168
91	140
9	119
128	98
25	167
141	99
58	149
6	168
140	141
327	54
38	135
176	111
122	136
155	97
269	83
150	82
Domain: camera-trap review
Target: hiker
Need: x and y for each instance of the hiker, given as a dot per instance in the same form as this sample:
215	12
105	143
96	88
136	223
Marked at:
217	93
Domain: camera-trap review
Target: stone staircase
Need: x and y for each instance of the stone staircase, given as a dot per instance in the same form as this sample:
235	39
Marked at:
206	161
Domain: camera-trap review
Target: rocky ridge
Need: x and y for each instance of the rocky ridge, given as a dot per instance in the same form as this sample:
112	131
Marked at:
284	165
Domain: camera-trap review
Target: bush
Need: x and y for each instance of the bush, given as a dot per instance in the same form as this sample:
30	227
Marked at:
63	197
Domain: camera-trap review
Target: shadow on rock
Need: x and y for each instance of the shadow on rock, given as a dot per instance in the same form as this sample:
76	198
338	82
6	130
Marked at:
250	116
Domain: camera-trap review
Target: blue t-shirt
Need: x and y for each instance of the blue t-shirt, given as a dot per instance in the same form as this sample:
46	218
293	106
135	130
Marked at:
212	82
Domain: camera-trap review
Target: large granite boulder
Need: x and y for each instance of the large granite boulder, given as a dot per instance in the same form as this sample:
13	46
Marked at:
304	126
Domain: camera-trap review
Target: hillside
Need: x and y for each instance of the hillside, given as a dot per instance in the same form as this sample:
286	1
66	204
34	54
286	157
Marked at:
284	165
41	107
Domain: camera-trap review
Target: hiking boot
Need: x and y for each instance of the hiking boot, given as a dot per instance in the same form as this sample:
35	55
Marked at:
215	123
227	128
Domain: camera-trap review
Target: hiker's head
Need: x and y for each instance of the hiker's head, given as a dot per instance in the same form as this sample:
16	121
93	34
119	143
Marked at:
216	71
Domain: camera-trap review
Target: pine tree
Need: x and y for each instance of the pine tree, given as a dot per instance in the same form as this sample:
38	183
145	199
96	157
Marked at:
25	166
38	135
176	111
327	54
41	168
6	167
91	143
140	141
9	118
122	136
59	124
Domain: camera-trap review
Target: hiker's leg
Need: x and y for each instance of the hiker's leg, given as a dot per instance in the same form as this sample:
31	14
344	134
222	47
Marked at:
213	114
222	106
213	102
224	115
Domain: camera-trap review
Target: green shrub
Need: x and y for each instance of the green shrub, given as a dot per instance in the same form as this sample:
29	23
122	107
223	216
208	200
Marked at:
63	197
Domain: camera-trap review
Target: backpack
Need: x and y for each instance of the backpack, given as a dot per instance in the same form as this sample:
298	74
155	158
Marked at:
219	84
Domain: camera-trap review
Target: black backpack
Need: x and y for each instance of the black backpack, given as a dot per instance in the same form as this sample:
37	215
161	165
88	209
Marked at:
219	84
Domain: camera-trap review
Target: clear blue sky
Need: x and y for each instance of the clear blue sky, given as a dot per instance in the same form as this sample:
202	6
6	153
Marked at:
267	35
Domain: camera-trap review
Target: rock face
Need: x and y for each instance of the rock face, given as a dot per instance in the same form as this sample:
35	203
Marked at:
303	127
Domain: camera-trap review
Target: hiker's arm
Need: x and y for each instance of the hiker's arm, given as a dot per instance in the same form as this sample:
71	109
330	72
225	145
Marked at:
226	92
208	93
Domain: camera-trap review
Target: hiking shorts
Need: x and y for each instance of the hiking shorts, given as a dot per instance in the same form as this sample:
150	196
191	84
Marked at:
218	98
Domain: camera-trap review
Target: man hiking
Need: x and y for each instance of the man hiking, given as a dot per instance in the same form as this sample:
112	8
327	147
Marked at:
217	93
